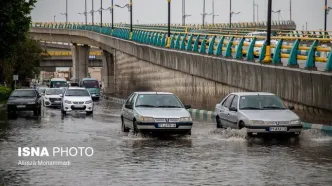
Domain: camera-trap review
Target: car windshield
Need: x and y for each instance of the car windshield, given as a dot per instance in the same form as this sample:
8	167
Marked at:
91	84
158	100
261	102
77	92
24	93
57	84
55	91
74	84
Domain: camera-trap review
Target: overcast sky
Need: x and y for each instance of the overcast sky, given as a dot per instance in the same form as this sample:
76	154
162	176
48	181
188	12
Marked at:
155	11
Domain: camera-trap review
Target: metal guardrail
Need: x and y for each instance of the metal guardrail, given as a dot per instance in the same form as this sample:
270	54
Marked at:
231	46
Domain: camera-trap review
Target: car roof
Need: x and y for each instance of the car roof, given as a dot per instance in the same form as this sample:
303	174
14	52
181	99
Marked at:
154	93
58	79
25	89
89	79
76	88
252	93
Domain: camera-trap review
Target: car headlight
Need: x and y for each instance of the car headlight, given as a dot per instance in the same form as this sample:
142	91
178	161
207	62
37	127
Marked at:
185	119
68	102
31	102
46	97
146	119
295	122
256	122
88	102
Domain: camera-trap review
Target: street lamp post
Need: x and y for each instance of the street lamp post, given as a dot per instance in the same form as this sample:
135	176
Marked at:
230	13
169	25
92	13
268	39
54	18
131	18
290	9
325	16
277	12
213	15
86	14
66	13
203	15
101	13
183	12
112	15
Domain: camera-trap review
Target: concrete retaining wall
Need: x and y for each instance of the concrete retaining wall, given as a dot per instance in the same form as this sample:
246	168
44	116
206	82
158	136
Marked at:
201	79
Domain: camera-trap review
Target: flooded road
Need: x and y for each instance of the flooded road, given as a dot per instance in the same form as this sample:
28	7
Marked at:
209	157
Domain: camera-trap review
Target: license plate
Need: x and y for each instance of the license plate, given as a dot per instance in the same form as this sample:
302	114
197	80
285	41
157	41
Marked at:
79	106
166	125
93	95
20	106
272	129
57	101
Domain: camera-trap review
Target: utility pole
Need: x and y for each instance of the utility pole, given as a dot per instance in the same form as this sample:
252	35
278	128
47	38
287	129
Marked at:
86	14
268	39
169	24
253	10
54	18
203	15
66	11
230	13
183	12
213	12
131	17
101	13
93	14
112	15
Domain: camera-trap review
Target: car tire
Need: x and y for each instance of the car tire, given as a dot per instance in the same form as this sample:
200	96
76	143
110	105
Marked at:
89	112
189	133
249	134
123	127
35	112
63	112
240	125
219	125
10	113
135	129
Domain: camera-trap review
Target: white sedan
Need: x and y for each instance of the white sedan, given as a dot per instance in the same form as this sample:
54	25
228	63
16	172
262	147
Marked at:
52	97
76	99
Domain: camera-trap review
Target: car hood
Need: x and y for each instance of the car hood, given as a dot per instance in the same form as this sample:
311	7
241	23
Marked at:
270	115
77	98
93	90
163	112
21	100
52	96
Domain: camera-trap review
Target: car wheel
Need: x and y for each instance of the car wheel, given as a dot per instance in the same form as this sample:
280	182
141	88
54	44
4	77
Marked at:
63	112
10	113
189	133
35	112
135	129
123	127
219	125
89	112
240	125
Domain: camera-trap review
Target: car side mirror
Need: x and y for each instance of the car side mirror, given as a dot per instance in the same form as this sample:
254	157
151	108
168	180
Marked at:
128	106
233	109
291	107
187	106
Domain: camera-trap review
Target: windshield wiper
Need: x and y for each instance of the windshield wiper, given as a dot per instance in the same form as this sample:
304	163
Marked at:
272	107
145	106
250	108
168	106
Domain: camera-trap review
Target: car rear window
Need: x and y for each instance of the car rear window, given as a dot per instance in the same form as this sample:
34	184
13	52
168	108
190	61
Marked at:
77	92
24	93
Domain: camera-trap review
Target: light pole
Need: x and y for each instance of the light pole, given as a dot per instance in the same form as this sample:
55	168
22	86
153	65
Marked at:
66	13
213	15
131	18
268	34
86	14
256	5
184	15
92	13
325	16
54	18
101	13
203	15
230	13
290	9
277	12
253	10
169	24
112	15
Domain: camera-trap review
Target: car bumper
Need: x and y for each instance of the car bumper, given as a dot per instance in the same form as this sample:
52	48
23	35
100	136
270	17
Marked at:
182	127
49	103
266	128
21	108
77	107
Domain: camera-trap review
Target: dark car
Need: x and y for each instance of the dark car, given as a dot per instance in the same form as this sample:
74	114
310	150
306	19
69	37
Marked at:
24	100
74	85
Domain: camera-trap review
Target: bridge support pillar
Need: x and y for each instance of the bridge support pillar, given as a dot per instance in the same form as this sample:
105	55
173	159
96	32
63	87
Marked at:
80	61
108	72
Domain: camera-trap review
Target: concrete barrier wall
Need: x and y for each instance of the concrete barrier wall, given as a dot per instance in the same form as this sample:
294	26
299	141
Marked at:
201	78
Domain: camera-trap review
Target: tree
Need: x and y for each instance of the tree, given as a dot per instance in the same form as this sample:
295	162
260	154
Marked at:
14	25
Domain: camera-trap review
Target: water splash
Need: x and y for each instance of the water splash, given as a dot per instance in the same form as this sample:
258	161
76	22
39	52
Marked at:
316	135
229	134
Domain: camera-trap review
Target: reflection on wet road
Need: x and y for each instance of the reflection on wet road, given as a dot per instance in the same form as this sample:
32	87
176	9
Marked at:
209	157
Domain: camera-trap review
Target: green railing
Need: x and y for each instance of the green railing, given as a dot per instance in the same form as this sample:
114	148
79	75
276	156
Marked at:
311	50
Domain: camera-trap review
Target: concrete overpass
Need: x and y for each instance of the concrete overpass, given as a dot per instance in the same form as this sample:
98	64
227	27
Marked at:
200	79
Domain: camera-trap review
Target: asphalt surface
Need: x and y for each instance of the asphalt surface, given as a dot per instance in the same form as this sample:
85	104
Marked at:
209	156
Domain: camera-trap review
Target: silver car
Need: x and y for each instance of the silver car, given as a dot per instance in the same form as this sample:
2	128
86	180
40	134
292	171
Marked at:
155	112
259	112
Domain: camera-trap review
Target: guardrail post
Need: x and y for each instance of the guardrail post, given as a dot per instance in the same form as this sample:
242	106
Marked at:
177	42
229	47
238	54
250	52
195	49
203	45
292	60
183	43
155	39
328	67
189	43
262	52
163	40
211	45
276	59
220	45
310	62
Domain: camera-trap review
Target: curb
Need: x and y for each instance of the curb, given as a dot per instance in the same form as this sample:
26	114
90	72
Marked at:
208	116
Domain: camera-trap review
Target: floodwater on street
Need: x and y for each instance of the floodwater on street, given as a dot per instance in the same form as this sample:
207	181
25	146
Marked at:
209	156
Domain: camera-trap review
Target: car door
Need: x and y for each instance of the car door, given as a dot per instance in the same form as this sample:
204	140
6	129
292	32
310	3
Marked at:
232	114
125	112
224	110
130	111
